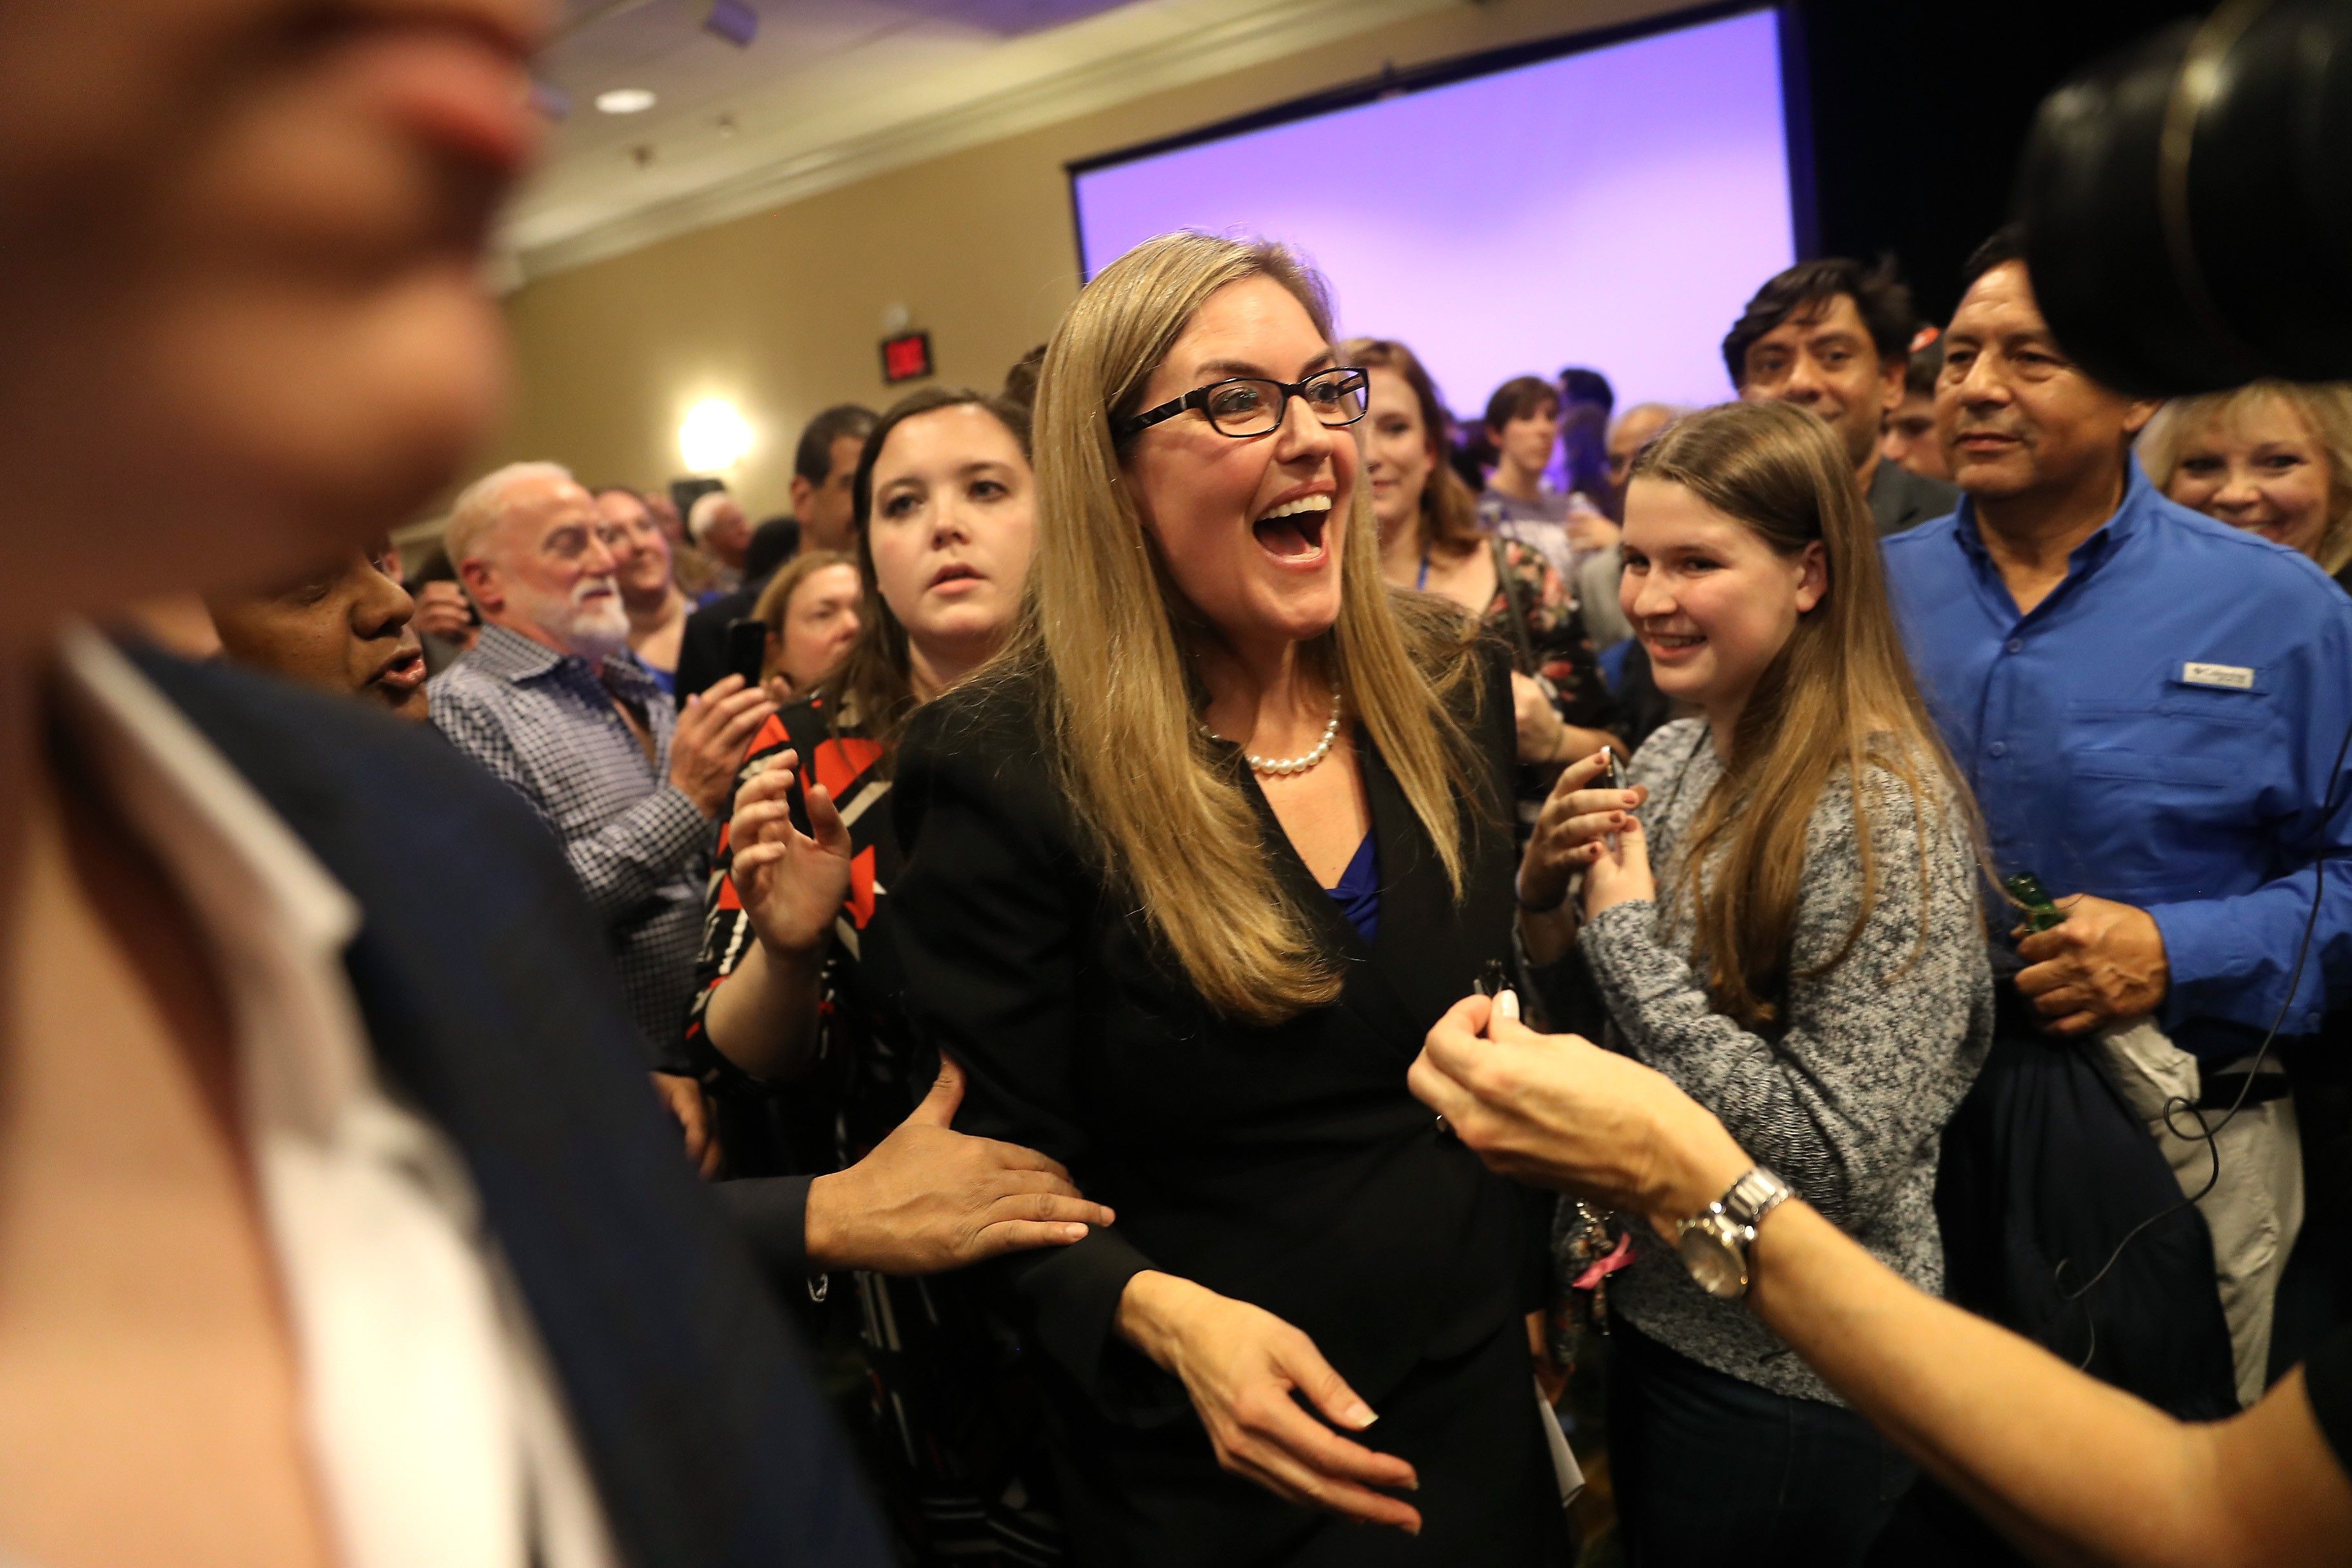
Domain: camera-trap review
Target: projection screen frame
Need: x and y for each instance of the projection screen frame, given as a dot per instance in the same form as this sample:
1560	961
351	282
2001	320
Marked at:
1795	104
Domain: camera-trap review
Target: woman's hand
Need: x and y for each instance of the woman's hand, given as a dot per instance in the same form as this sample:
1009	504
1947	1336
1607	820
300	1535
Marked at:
1619	875
1555	1111
1572	829
791	883
1240	1363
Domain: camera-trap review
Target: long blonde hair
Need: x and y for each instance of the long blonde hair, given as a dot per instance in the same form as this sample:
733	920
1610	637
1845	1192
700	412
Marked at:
1105	634
2326	407
1840	694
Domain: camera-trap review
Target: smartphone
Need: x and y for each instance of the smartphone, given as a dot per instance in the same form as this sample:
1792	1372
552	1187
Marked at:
746	649
2042	912
1614	780
1494	978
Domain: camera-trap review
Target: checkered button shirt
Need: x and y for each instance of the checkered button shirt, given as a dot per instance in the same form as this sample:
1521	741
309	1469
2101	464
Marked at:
545	722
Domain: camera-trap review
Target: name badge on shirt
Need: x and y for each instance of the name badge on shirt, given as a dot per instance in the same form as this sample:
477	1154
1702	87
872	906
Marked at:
2230	677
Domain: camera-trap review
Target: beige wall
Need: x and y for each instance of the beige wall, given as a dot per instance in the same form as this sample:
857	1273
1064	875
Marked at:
781	312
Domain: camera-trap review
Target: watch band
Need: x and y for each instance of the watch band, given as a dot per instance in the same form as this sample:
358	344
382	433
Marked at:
1714	1243
1753	1197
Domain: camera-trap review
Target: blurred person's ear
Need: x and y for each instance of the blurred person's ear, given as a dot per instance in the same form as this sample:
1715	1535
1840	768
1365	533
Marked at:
1892	374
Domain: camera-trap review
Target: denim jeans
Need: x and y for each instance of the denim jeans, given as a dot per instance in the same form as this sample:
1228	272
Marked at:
1710	1470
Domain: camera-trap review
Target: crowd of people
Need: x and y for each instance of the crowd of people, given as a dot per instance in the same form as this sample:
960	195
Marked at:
1209	931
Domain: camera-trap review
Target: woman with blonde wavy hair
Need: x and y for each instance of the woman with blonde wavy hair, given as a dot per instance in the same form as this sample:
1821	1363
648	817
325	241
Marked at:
1191	870
2270	457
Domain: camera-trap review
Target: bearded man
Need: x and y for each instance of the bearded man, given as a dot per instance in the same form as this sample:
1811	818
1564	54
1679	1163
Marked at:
552	701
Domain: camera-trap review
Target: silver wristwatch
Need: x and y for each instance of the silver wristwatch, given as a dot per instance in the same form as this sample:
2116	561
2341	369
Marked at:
1715	1244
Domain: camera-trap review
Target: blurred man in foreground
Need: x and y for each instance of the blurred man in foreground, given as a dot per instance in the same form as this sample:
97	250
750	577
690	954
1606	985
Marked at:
342	1229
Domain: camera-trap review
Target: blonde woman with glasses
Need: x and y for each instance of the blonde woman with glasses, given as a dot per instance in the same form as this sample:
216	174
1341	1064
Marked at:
1191	870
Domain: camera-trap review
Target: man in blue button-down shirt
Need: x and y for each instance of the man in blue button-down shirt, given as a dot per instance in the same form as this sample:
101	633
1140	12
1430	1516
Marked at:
551	701
2150	705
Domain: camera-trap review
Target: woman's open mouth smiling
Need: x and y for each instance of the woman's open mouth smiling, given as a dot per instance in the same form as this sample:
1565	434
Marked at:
1292	532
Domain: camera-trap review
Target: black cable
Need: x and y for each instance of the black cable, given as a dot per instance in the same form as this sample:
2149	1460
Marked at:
2211	1132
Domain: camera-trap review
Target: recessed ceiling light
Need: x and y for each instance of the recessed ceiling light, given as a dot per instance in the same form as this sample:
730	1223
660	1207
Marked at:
626	100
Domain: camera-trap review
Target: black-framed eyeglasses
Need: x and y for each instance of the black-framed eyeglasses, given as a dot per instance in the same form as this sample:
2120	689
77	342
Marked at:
1245	406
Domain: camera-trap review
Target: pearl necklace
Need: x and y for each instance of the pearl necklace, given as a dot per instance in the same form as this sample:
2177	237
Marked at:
1285	766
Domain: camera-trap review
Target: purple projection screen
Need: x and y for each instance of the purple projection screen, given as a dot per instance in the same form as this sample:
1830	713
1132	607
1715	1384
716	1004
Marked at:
1612	208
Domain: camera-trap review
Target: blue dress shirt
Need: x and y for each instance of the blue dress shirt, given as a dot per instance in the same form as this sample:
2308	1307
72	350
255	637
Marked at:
545	724
2159	730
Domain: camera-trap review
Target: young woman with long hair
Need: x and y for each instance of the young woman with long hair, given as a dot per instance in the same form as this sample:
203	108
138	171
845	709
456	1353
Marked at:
1190	872
1807	962
1431	542
799	1024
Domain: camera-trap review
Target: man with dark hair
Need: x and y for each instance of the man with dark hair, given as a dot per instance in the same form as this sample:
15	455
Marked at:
824	463
822	466
1833	337
1587	400
342	628
1910	439
2147	706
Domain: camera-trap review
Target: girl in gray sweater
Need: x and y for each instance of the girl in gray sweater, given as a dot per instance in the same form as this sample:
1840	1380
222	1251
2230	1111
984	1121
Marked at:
1781	913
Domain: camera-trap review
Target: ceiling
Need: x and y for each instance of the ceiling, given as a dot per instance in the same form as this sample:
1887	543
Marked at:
835	91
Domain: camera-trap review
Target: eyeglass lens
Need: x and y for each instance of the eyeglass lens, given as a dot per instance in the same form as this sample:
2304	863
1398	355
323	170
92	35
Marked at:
1254	407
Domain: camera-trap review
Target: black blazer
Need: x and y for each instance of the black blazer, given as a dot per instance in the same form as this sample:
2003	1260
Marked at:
1286	1166
493	1008
702	641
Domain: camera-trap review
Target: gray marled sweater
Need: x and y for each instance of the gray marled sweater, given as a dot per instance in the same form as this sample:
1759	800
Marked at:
1847	1104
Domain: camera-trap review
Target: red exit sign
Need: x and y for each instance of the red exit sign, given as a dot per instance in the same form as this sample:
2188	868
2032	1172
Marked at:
906	357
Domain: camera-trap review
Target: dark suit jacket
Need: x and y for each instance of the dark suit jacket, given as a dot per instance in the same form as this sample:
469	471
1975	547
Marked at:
493	1009
1288	1166
1900	498
702	641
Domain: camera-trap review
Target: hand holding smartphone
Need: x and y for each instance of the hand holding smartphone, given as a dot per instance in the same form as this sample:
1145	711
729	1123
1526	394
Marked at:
1495	980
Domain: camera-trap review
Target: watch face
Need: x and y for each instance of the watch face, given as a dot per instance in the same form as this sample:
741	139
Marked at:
1712	1259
